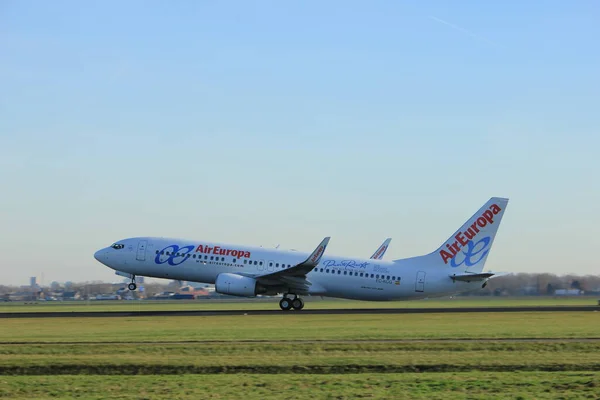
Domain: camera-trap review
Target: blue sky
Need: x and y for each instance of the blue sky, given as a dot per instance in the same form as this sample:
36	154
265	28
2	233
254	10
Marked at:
270	122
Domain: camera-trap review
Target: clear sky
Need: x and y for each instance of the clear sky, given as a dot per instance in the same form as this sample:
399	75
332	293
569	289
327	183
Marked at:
281	122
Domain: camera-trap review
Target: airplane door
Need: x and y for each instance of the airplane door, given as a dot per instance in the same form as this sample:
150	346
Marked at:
270	265
261	265
141	251
420	284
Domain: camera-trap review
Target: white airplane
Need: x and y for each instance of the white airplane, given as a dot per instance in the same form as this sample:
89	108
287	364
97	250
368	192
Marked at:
456	266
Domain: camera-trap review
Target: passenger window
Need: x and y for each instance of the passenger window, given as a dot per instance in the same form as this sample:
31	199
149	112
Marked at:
194	256
255	262
260	263
270	264
277	265
345	272
234	260
361	274
168	253
245	261
156	251
327	271
222	258
372	276
339	272
393	278
321	270
211	258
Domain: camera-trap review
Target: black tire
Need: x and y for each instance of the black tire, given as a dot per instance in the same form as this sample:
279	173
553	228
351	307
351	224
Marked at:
285	304
298	304
132	286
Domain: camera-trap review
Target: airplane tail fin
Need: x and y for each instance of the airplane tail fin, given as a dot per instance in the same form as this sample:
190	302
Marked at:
468	248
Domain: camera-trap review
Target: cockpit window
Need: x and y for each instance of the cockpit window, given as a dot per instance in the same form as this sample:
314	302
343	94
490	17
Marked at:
117	246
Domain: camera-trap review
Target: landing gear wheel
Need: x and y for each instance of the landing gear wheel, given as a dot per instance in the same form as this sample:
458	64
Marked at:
285	304
298	304
132	286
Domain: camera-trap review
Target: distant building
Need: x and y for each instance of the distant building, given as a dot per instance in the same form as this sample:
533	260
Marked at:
108	297
568	292
33	281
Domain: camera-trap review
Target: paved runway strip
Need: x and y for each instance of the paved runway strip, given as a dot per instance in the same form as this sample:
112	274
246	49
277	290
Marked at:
207	313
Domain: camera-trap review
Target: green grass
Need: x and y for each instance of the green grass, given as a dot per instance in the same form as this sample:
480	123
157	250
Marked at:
340	357
295	355
297	326
269	304
484	385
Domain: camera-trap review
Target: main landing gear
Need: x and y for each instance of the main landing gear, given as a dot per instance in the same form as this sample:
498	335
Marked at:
132	286
287	304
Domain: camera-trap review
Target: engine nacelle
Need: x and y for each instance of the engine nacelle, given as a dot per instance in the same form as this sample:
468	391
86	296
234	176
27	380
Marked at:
237	285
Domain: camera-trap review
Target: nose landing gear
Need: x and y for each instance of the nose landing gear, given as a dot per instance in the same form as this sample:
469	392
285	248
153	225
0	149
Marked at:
287	304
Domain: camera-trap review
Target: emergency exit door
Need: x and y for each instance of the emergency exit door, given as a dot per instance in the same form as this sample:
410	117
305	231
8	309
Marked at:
141	251
420	284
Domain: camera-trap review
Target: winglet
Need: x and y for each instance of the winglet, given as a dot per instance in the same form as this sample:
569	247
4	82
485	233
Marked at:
316	255
378	255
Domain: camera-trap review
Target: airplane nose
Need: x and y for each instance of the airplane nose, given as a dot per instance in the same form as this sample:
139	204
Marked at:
101	256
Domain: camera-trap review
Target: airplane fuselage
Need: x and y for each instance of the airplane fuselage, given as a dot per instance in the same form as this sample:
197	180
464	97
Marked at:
341	277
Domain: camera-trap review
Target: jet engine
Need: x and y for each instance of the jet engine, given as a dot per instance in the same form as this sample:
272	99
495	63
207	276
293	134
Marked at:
238	285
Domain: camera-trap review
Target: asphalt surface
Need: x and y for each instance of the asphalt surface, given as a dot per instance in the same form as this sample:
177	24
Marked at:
210	313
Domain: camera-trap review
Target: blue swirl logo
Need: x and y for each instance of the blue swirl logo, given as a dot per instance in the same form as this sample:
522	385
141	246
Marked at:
173	254
473	254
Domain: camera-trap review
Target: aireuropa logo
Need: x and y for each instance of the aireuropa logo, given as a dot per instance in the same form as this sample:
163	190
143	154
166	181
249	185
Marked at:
173	254
380	252
473	254
464	239
317	254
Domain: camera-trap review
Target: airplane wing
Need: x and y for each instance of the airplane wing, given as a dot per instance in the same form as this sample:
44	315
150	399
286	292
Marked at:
378	255
295	277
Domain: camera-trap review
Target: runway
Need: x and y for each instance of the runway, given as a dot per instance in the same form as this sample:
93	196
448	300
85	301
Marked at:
212	313
309	341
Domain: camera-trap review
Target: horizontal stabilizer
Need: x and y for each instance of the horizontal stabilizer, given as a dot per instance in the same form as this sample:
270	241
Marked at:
472	277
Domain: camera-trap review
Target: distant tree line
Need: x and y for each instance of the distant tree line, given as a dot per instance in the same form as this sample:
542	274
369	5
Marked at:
521	284
538	285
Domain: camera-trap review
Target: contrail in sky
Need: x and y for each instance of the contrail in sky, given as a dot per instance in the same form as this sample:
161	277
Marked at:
463	30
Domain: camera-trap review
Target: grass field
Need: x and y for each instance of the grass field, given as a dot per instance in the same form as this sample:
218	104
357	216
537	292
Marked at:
478	385
311	303
289	356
